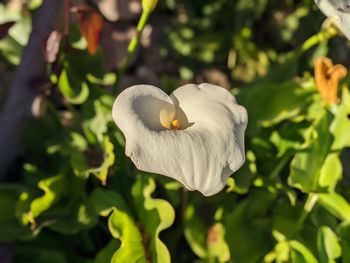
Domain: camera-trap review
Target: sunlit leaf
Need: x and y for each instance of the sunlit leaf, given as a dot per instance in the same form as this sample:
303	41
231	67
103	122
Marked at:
300	253
53	188
307	163
340	127
139	241
121	225
329	248
155	214
335	204
74	90
217	246
194	230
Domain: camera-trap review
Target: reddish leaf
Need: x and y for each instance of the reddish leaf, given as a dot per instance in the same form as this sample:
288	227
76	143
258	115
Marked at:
52	46
4	28
90	25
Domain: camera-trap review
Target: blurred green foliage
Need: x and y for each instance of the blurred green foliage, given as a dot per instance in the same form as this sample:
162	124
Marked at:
77	198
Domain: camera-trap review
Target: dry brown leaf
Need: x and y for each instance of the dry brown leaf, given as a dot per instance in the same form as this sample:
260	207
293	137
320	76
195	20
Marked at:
327	77
90	25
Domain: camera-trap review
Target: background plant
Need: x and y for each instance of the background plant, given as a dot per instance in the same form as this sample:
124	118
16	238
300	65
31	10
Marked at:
73	196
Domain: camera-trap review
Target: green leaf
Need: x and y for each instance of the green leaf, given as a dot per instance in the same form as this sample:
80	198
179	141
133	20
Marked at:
121	225
29	207
331	172
108	160
97	115
10	227
11	50
248	240
307	164
155	215
12	45
329	248
300	253
336	205
53	188
340	127
139	241
280	253
74	217
194	229
217	246
75	90
280	102
344	233
105	201
243	178
106	253
80	156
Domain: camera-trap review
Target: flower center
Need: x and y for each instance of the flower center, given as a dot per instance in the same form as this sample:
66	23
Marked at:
168	118
175	124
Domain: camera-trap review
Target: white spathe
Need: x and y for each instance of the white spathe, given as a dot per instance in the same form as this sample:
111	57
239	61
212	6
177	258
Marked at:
339	12
203	153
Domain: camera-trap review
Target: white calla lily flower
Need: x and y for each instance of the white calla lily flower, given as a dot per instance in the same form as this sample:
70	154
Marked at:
339	13
195	135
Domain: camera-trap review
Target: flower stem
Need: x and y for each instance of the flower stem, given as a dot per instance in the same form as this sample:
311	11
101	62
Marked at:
309	205
323	35
133	44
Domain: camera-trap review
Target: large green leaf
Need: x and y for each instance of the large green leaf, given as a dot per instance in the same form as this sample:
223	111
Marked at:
328	245
317	167
154	214
268	103
138	233
307	164
335	204
121	225
248	227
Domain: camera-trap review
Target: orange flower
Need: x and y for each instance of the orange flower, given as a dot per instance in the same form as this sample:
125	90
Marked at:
327	77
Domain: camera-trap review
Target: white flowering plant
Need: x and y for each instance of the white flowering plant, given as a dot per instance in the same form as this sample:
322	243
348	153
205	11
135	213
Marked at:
221	134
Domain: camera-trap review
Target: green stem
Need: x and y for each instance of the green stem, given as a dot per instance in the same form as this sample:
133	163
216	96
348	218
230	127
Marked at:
309	205
316	39
280	166
135	41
